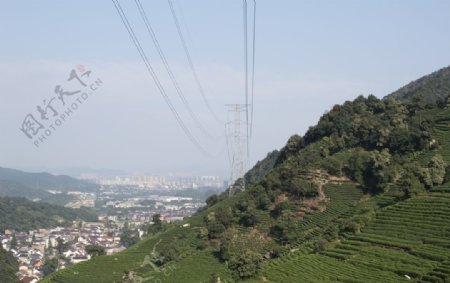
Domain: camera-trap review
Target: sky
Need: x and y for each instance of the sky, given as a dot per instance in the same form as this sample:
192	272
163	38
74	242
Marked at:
310	55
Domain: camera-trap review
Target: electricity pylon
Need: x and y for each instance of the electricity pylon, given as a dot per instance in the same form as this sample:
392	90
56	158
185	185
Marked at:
238	145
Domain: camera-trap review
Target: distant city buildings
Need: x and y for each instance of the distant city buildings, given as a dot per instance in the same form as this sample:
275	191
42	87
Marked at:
158	182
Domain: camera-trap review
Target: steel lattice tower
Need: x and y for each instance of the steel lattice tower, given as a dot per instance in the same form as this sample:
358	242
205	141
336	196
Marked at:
238	138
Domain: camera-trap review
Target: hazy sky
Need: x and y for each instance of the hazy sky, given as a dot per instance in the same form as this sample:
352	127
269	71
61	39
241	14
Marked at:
310	55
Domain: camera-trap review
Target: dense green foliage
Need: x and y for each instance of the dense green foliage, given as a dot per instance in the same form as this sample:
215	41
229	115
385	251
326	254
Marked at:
157	225
95	250
433	87
23	215
50	265
129	236
372	124
14	183
262	168
15	189
246	264
8	267
45	181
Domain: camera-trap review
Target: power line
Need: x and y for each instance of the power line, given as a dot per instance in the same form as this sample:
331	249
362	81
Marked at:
167	67
191	64
152	73
245	24
253	67
246	69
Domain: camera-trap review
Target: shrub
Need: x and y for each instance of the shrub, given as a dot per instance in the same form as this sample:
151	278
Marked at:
279	209
201	245
245	265
95	250
224	216
320	245
351	225
249	219
212	200
215	229
169	252
447	174
410	184
437	169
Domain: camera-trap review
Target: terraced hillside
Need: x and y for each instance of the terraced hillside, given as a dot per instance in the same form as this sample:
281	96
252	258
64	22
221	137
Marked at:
442	133
197	265
407	241
136	260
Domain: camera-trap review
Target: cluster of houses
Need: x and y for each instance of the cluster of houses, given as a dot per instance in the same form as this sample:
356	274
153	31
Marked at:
67	245
32	248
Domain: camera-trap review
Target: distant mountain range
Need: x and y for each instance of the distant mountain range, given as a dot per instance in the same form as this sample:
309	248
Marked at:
79	171
15	183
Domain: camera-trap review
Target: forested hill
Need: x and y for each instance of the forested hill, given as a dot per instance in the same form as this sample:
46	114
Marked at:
45	181
23	215
363	196
15	183
8	267
434	86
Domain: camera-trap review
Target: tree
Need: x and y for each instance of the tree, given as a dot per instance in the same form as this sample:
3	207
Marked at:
332	166
215	229
263	201
280	208
249	219
8	266
95	250
212	200
245	265
224	215
169	252
320	245
13	243
379	171
157	224
61	246
357	164
224	251
302	188
447	174
293	146
50	265
129	238
437	169
50	247
410	184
